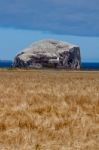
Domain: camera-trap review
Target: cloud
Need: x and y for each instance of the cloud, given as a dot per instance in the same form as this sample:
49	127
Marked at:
72	17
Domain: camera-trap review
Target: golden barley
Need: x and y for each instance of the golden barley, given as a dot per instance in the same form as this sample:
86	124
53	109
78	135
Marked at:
49	110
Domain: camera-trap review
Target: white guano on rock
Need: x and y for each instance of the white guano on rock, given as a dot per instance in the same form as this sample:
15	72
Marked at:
49	53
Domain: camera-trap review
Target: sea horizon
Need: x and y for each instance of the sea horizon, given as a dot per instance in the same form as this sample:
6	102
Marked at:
84	65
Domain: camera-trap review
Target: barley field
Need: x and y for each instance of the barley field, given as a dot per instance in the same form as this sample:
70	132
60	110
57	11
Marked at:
49	110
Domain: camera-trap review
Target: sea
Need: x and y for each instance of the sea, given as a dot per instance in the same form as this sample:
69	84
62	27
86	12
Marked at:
84	65
5	63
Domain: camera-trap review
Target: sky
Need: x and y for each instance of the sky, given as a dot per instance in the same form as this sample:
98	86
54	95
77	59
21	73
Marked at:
25	21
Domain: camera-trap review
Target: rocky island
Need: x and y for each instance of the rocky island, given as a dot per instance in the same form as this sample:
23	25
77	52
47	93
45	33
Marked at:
49	53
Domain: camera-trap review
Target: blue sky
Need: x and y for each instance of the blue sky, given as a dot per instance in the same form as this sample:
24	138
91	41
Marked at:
25	21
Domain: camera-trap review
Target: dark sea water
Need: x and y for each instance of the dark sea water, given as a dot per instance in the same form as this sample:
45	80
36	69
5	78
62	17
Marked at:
90	65
5	63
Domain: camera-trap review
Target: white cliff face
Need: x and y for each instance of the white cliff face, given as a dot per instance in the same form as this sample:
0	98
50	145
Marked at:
49	53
